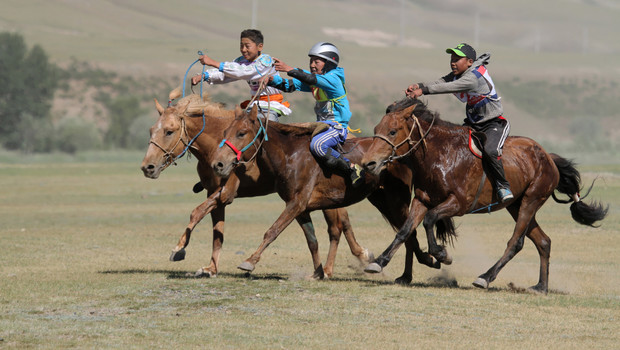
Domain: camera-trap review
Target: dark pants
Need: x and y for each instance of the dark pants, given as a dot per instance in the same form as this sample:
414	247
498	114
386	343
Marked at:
496	131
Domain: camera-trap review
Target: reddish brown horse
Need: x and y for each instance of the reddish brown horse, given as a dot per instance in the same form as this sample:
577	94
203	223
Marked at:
282	152
170	136
448	179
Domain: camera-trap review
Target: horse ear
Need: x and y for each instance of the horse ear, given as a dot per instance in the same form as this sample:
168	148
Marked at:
253	112
239	112
160	109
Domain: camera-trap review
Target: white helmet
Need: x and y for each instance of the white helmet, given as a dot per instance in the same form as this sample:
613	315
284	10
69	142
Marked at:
326	51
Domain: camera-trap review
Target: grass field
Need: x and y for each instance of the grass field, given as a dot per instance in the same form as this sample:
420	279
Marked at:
84	264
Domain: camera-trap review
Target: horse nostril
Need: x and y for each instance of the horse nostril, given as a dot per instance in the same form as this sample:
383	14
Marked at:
219	165
150	167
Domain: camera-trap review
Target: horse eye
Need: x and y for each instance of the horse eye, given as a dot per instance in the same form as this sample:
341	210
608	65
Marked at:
392	132
241	134
169	132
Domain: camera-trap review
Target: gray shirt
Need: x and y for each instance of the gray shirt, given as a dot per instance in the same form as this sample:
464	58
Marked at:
474	87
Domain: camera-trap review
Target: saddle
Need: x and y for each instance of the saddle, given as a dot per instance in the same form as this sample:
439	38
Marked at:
476	140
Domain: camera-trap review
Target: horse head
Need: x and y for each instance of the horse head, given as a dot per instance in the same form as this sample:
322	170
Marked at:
394	137
241	135
169	135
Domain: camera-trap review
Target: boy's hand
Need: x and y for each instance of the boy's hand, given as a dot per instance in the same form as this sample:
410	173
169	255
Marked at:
208	61
196	79
281	66
413	91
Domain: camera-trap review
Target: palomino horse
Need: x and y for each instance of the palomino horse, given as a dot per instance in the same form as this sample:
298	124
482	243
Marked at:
282	153
173	132
447	179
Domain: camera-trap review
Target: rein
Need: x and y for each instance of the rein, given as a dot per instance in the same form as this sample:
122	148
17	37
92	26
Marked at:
408	140
170	157
261	129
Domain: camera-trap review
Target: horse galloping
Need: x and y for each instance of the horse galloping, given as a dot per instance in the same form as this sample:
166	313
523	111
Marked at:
282	152
196	124
449	181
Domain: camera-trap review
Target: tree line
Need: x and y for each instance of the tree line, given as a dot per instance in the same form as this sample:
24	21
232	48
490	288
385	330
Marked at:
115	111
114	118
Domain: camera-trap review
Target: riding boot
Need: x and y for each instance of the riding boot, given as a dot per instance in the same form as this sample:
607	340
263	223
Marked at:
495	171
343	166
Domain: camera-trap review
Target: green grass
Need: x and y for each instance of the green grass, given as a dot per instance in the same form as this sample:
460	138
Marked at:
84	264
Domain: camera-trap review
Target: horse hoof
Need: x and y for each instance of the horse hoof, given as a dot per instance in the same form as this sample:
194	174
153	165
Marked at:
403	280
177	255
319	273
373	268
371	256
204	273
246	266
537	290
435	263
481	283
366	257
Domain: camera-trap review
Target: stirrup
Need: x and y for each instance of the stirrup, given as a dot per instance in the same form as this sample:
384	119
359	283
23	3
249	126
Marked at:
504	195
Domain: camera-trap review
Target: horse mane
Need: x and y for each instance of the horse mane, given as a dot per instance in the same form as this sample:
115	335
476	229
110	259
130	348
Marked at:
198	104
421	111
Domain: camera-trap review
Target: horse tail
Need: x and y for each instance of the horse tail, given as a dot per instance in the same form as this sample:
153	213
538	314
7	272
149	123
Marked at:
446	232
570	184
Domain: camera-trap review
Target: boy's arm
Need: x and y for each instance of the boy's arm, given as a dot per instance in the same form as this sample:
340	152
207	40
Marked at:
288	85
260	67
466	82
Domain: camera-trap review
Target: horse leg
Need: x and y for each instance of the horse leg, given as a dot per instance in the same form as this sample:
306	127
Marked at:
178	252
416	214
543	245
525	218
411	244
446	209
334	230
344	226
291	211
218	218
305	222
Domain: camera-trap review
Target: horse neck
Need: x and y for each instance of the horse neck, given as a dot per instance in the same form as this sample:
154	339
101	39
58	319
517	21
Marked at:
209	133
279	147
441	138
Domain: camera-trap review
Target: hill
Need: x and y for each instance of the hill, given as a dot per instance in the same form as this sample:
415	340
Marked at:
565	51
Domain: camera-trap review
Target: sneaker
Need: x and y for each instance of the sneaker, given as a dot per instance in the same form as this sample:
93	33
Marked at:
357	174
504	195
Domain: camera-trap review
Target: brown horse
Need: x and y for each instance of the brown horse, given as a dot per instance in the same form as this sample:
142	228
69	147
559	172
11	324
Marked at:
282	152
448	181
171	135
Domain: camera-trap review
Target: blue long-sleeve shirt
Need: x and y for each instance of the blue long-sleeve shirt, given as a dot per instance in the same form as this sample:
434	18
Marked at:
329	91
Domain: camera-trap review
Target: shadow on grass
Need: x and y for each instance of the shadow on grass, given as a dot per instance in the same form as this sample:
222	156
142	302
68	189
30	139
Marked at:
437	282
176	274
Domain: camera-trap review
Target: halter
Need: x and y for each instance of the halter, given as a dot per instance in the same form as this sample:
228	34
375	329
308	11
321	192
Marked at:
408	140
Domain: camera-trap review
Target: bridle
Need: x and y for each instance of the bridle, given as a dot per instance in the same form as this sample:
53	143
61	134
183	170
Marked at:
413	145
238	152
169	156
261	130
